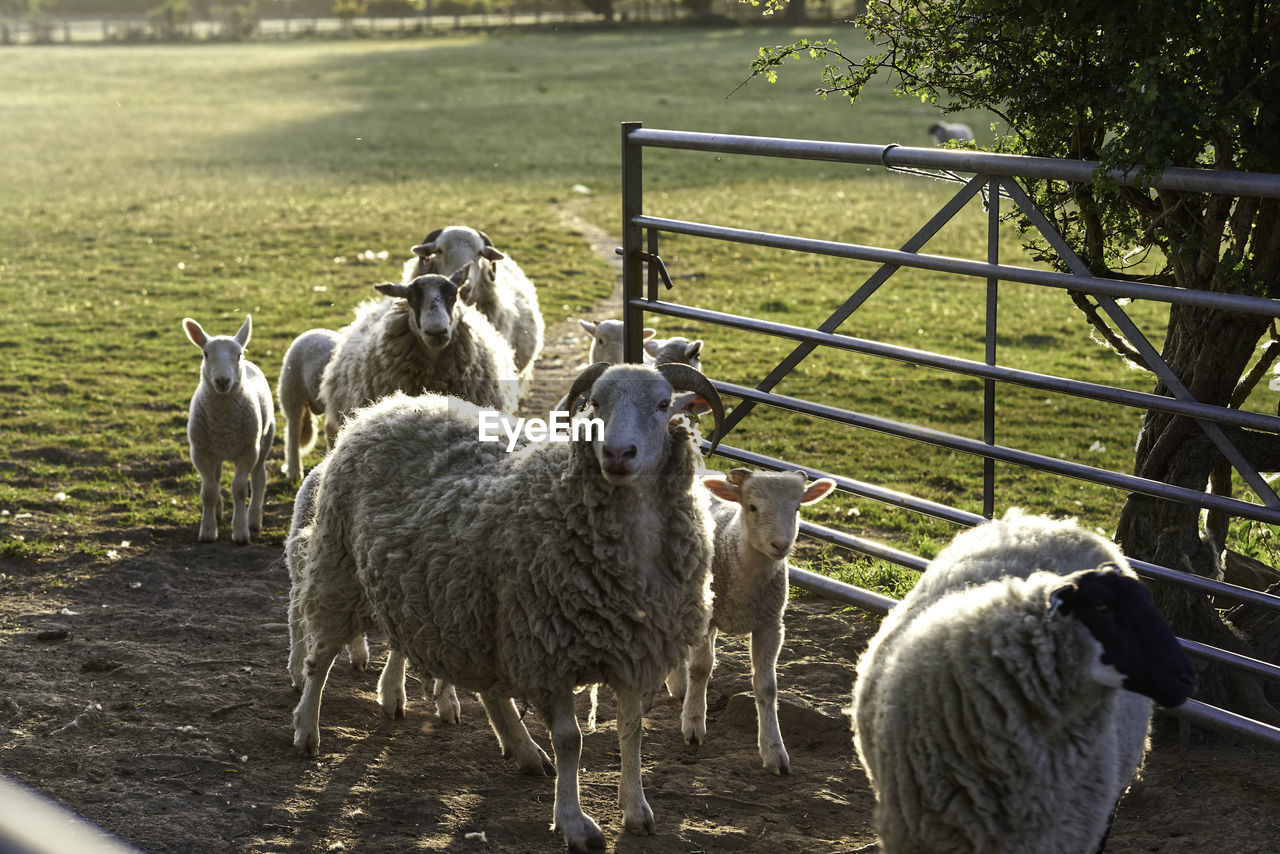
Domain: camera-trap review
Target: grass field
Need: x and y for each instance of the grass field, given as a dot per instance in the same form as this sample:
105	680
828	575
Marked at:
141	185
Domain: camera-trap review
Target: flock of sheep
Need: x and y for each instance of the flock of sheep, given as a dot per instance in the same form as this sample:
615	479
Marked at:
1003	706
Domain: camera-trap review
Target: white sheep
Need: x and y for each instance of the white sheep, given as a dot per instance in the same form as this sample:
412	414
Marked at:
1002	706
757	520
498	287
660	351
231	419
427	340
944	132
299	394
522	574
606	340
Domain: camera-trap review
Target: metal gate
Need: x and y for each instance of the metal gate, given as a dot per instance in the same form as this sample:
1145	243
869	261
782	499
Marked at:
994	175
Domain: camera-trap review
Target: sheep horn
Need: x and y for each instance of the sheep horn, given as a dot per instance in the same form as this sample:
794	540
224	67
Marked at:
489	251
685	378
582	384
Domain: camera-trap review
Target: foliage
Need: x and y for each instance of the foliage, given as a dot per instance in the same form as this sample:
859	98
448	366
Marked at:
239	19
166	20
348	10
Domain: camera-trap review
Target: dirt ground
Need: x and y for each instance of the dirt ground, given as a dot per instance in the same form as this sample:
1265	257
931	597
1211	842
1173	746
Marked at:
148	692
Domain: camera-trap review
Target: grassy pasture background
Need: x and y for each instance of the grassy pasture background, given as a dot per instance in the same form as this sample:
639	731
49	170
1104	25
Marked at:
143	184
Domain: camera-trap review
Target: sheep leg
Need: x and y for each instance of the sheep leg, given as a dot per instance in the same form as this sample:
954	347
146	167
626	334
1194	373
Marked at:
239	503
448	709
513	737
637	817
693	717
257	493
391	693
678	678
765	644
210	497
297	643
306	716
292	458
358	653
580	832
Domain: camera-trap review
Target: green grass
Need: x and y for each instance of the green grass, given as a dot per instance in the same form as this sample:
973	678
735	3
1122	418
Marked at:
144	184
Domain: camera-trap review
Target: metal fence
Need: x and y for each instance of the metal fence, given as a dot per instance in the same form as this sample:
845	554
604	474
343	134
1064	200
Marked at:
994	175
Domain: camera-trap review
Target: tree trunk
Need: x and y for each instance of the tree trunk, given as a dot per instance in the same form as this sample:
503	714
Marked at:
1210	351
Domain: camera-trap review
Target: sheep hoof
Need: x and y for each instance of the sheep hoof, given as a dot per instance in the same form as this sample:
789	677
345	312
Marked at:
582	834
306	743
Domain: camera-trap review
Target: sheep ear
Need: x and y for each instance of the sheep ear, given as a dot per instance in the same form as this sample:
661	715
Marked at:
245	330
589	326
647	333
1060	600
651	347
694	349
195	332
424	250
721	488
817	490
464	293
391	289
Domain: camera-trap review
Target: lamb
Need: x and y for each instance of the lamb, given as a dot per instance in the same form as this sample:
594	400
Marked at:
299	394
606	340
600	572
757	519
1003	704
944	132
427	340
660	351
231	419
499	288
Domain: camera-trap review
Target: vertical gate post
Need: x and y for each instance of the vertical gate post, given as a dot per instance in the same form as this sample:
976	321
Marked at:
989	385
632	237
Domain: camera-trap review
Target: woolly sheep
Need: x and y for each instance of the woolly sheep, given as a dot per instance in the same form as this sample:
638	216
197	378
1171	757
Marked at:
427	340
606	340
757	519
498	287
299	394
944	132
1002	706
447	705
231	419
602	578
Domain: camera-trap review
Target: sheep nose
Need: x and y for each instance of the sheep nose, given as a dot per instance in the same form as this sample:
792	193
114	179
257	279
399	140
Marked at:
222	383
780	547
617	454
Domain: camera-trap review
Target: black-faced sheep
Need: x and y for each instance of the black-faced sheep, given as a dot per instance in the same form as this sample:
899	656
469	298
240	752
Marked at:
1003	704
522	574
427	340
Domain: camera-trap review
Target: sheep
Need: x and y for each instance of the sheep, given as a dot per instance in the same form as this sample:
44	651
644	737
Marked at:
447	705
944	132
660	351
1003	704
427	340
757	519
231	419
606	340
525	574
499	288
299	394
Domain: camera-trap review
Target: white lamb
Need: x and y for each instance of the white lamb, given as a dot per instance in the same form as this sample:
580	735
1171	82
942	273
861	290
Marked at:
231	419
944	132
606	340
1002	706
757	519
427	340
660	351
498	287
299	394
519	575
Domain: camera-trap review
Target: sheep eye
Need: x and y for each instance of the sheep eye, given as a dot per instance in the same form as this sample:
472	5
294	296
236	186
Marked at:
1102	608
753	508
664	406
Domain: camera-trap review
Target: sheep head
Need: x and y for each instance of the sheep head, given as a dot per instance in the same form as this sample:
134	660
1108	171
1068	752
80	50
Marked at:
635	404
223	355
454	247
432	304
1137	649
770	505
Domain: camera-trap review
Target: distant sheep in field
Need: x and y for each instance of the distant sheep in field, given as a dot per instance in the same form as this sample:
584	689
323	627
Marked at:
497	287
757	520
231	419
299	394
1003	704
944	132
427	340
